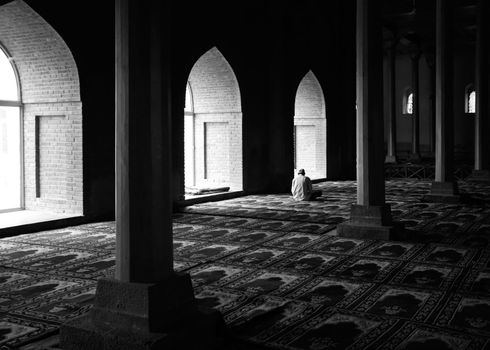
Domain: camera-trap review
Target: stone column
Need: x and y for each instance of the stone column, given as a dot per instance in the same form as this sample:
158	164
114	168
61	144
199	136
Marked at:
371	216
430	59
391	96
444	188
415	155
481	170
147	305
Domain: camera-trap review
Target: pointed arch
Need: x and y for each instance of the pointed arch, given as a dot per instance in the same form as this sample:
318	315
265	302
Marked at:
51	115
310	128
310	101
213	130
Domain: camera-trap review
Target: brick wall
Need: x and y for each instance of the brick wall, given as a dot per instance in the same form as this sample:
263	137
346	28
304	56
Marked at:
305	150
310	128
214	85
216	129
50	93
217	152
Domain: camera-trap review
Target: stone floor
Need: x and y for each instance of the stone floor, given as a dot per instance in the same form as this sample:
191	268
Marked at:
24	218
279	274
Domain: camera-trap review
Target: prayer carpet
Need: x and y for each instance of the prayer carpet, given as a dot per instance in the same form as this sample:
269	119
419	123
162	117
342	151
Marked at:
279	274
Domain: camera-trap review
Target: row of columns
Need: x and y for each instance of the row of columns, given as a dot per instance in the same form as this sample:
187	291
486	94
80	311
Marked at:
391	157
481	150
371	216
147	305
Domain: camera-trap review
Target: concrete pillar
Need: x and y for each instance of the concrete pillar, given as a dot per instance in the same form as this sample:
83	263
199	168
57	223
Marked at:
415	154
391	97
444	188
147	305
371	216
481	170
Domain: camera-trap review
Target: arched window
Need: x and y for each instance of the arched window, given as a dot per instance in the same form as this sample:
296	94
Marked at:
310	128
41	140
408	102
470	100
212	126
10	136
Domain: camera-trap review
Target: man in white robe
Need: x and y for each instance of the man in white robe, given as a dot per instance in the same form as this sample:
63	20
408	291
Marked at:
302	189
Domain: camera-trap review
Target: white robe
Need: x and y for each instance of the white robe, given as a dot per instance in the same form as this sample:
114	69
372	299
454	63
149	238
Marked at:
301	188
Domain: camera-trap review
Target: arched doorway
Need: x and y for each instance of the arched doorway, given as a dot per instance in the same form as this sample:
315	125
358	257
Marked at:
310	128
212	126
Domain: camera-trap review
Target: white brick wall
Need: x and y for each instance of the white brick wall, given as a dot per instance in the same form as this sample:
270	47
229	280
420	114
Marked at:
217	152
214	85
311	128
224	133
50	89
217	125
46	66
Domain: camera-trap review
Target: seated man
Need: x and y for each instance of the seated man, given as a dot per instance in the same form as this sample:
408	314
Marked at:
301	188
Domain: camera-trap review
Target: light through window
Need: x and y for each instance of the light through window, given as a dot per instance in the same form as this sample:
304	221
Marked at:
10	137
410	104
8	81
472	102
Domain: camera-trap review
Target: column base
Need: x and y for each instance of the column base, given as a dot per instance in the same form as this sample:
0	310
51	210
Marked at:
371	222
144	316
443	192
391	160
415	158
479	176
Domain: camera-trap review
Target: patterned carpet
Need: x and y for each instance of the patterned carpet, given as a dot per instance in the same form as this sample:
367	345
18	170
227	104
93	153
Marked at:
279	274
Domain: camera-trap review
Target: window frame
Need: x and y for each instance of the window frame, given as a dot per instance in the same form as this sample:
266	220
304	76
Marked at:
16	103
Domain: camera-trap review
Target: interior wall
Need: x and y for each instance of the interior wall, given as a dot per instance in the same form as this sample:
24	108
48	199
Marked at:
92	47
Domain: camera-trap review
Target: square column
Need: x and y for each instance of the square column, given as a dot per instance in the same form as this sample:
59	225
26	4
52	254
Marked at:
371	216
444	188
430	60
147	305
391	97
